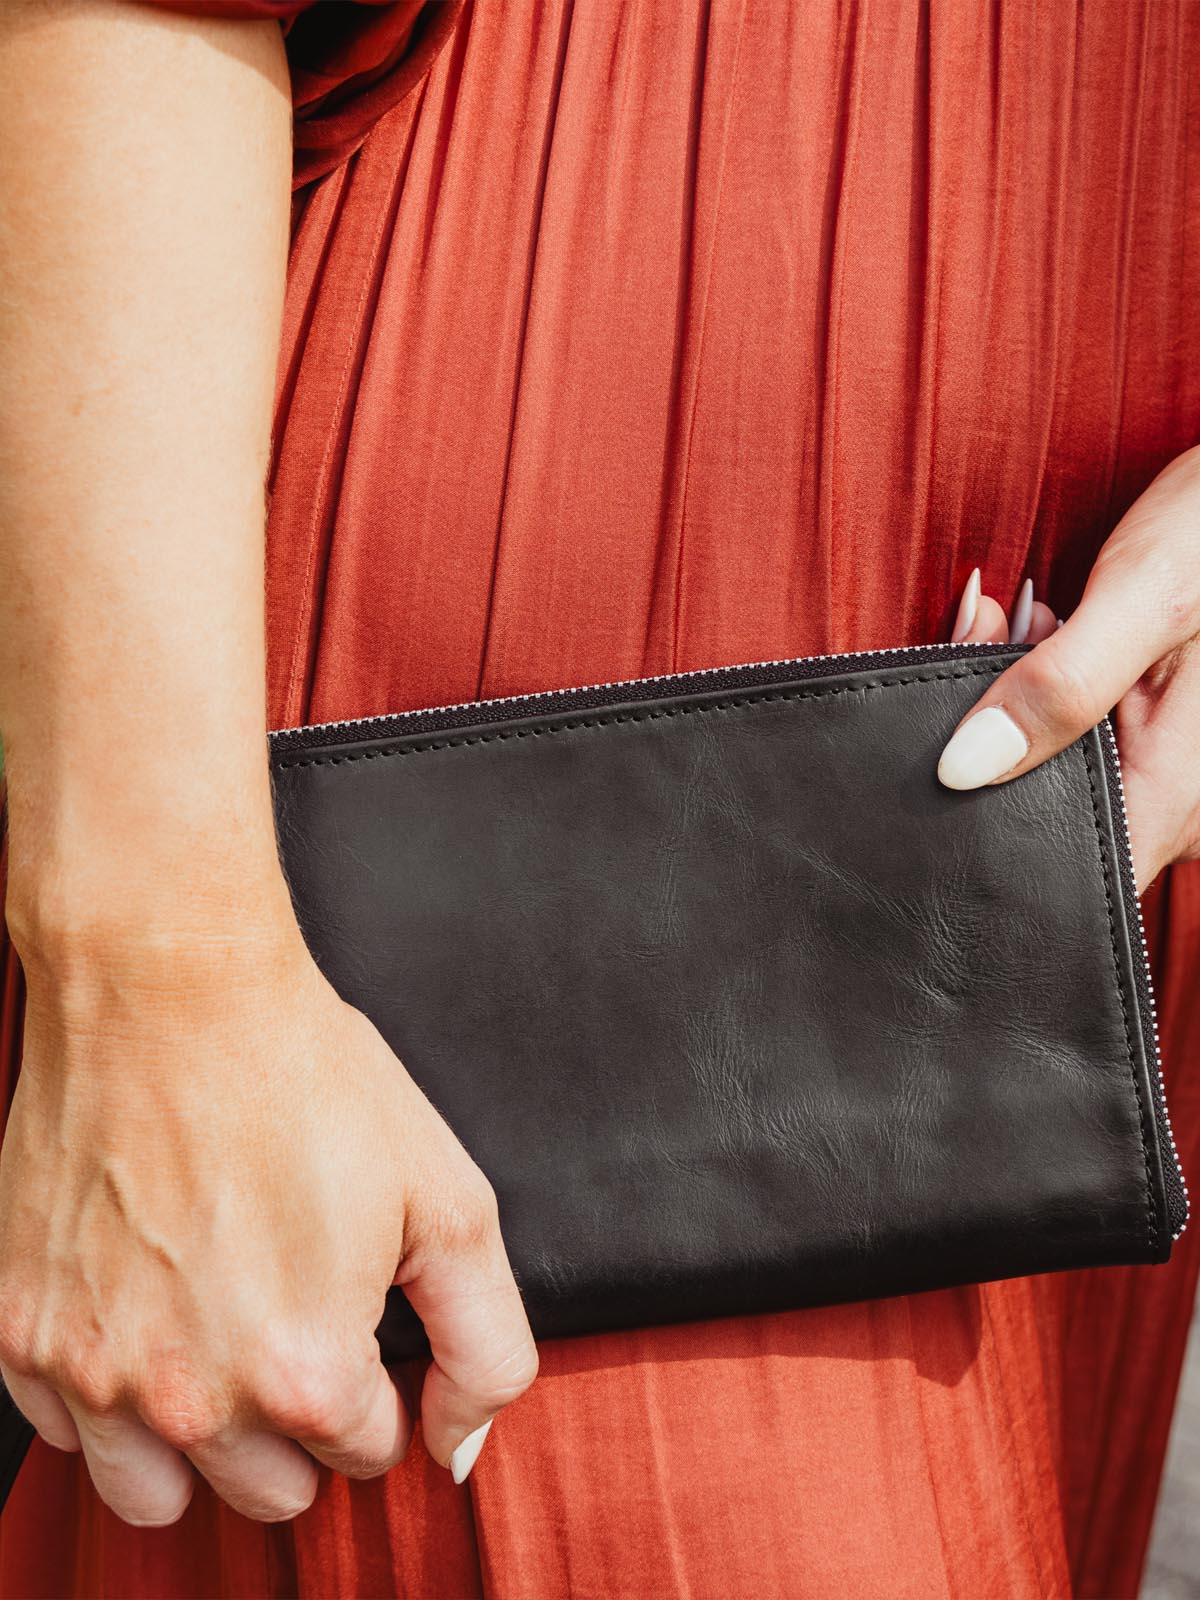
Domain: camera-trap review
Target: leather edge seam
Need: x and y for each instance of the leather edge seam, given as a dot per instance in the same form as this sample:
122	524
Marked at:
544	726
1106	877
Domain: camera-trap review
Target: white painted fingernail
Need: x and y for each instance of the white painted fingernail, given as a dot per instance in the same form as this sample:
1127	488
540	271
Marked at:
467	1454
967	607
1022	614
1059	623
985	747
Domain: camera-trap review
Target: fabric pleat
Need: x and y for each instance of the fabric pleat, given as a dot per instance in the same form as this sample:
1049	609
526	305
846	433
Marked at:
639	337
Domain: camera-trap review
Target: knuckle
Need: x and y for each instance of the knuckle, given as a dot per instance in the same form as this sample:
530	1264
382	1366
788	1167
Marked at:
313	1410
71	1355
1181	609
1057	690
1163	571
92	1381
509	1378
17	1347
469	1217
304	1397
32	1335
368	1453
1120	558
181	1410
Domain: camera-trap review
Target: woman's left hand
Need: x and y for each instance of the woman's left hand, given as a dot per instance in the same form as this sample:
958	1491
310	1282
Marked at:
1132	643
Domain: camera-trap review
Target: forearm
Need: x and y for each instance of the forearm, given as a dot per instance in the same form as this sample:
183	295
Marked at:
143	240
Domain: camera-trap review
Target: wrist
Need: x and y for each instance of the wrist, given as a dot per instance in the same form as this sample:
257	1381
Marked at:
178	942
170	923
130	873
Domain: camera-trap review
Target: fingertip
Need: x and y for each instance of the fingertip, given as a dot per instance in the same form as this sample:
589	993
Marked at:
448	1415
62	1440
390	1429
44	1409
1022	614
455	1422
483	1353
987	746
379	1441
396	1412
1042	623
967	607
466	1454
990	625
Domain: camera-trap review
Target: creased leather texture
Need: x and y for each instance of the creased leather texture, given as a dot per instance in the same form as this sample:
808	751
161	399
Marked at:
737	1007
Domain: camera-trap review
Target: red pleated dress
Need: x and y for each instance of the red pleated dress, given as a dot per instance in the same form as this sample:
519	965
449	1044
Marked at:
628	338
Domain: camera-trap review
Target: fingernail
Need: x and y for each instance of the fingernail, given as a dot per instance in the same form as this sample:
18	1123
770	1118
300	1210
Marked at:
467	1453
1022	614
987	745
967	607
1059	623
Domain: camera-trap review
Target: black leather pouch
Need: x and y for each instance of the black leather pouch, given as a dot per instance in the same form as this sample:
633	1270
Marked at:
735	1004
737	1007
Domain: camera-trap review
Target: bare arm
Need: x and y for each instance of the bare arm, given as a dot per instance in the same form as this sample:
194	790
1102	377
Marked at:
144	176
211	1161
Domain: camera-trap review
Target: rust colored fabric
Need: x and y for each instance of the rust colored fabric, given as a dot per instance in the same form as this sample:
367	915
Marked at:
642	337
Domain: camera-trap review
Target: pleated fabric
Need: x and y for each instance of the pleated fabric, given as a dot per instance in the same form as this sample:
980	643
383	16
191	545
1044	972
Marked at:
640	337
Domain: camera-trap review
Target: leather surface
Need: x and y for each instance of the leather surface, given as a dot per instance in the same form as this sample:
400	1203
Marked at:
736	1006
16	1435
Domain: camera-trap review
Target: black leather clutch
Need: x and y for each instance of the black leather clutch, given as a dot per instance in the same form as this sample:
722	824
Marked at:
734	1003
737	1007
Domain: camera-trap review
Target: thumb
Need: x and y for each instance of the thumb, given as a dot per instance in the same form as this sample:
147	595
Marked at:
1063	686
484	1356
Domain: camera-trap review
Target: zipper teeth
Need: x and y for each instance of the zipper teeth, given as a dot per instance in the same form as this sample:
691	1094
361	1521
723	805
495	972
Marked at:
632	683
1127	848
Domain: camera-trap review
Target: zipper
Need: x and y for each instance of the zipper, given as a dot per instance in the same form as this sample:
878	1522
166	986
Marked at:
1178	1201
391	725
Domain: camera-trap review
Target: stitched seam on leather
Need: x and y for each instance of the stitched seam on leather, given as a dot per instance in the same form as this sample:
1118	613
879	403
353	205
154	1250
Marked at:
1102	849
606	719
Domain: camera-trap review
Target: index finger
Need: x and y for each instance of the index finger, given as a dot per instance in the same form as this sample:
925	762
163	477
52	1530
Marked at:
1069	681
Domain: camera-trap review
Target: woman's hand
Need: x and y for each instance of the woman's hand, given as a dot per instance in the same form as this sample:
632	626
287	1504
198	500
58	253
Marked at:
213	1170
1132	643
